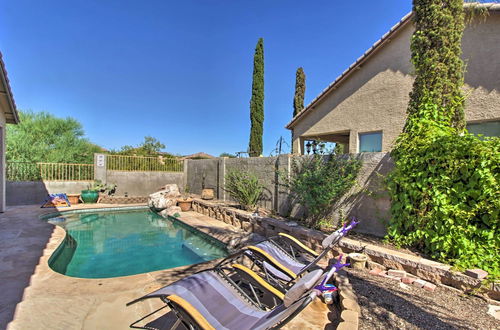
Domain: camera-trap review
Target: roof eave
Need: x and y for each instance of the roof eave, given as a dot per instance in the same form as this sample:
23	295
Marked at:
386	37
8	94
352	68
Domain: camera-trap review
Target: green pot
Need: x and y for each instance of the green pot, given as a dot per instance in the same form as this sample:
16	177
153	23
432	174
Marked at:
89	196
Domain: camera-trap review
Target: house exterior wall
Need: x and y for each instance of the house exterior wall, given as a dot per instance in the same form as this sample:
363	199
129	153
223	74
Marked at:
2	160
375	97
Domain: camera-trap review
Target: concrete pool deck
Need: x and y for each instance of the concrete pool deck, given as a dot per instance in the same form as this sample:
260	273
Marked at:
36	297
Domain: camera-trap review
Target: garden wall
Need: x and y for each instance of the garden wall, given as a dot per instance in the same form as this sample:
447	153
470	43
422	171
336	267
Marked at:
142	183
367	200
35	192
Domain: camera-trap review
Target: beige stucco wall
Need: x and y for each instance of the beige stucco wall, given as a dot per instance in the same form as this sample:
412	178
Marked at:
2	160
375	97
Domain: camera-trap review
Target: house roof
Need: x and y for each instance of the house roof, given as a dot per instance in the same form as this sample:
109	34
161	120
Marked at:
11	114
367	55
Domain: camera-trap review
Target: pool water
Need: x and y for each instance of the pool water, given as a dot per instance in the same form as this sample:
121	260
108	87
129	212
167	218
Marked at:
119	243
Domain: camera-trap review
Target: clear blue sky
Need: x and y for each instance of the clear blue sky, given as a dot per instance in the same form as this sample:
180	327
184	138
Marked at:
180	71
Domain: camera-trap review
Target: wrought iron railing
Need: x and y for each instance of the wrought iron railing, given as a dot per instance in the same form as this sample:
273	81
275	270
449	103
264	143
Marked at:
141	163
28	171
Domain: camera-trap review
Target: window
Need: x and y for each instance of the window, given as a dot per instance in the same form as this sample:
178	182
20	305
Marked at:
370	142
489	128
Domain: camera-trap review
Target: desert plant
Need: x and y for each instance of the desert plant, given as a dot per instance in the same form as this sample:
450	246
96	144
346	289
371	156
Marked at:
318	181
101	187
244	187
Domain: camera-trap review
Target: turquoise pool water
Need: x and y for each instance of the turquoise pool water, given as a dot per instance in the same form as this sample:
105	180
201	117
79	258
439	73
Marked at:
119	243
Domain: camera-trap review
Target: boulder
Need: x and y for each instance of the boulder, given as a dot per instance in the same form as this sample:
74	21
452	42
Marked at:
170	212
165	198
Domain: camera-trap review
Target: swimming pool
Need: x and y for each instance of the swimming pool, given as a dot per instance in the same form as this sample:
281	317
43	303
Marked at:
102	244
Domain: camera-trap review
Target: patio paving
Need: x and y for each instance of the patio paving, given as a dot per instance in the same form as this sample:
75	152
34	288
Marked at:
36	297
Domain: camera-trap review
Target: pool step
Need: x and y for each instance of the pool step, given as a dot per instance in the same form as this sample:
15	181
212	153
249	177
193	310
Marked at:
203	249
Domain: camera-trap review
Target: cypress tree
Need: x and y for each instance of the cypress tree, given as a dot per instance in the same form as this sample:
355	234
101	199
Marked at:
257	102
300	91
435	54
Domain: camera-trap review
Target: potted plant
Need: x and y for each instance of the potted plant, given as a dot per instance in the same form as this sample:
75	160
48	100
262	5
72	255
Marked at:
185	201
91	194
206	193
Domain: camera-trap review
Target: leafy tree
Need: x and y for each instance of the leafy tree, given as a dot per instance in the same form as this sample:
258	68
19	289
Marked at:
227	154
319	181
435	54
300	91
149	147
257	102
43	137
444	187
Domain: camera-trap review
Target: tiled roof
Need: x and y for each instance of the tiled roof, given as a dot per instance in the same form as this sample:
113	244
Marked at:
358	63
10	97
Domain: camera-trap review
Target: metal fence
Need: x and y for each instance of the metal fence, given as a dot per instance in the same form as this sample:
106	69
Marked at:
140	163
28	171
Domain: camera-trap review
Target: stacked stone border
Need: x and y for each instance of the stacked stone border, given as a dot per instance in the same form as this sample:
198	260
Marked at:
432	271
348	303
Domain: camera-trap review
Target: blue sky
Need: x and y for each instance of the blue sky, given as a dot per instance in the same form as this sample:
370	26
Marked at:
180	71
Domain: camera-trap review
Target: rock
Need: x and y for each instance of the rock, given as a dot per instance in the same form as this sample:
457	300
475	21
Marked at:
396	273
494	311
419	283
165	198
350	304
171	211
207	194
375	271
408	280
404	286
350	316
476	273
429	286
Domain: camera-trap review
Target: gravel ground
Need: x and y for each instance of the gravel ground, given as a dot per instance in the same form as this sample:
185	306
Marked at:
386	305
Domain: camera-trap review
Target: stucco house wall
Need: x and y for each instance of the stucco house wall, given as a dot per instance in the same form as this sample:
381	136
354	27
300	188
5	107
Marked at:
374	97
8	115
2	161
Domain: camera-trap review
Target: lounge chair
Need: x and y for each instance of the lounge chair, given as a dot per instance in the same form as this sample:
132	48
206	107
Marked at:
294	257
209	300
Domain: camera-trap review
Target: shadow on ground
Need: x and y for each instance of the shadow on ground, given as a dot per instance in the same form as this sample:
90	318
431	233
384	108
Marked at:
21	244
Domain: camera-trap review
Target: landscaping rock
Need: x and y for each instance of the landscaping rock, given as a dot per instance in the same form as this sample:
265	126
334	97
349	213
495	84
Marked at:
350	304
429	286
404	286
375	271
165	198
350	316
419	283
476	273
494	311
347	326
396	273
170	212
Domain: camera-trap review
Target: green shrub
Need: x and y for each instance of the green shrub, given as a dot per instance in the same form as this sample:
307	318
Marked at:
318	181
244	187
445	196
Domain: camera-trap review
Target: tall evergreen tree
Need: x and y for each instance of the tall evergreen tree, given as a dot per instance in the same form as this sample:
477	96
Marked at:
257	102
435	54
300	91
